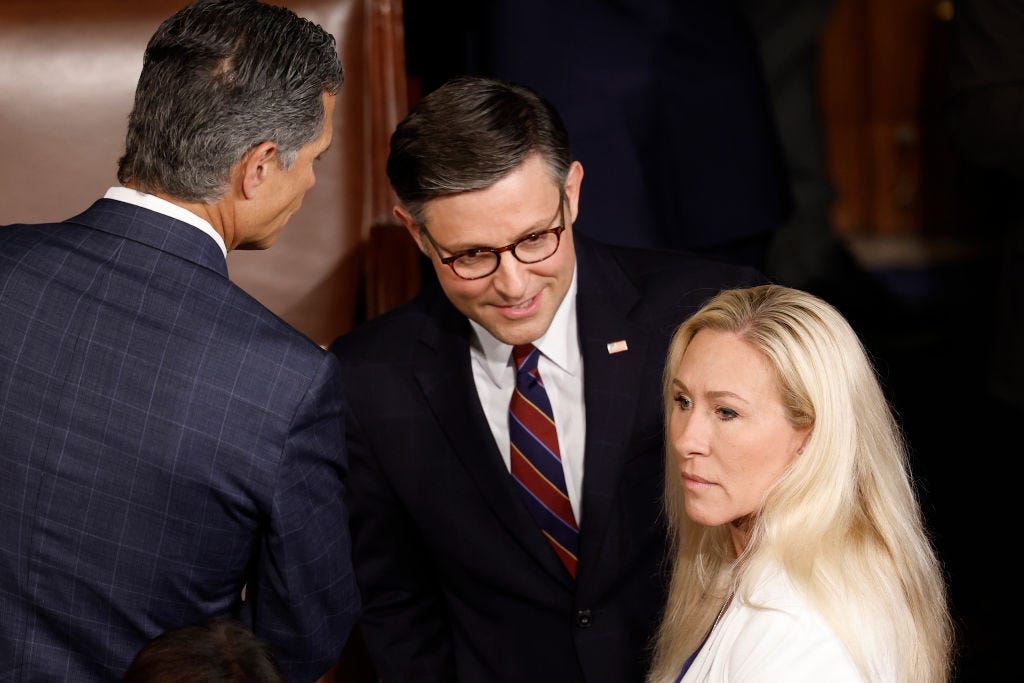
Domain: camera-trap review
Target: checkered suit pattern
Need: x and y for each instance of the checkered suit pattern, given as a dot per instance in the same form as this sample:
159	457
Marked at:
164	440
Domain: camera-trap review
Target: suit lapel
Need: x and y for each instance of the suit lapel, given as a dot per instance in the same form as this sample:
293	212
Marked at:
446	379
605	307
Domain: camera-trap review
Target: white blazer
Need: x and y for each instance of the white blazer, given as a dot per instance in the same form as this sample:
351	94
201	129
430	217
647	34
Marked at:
785	641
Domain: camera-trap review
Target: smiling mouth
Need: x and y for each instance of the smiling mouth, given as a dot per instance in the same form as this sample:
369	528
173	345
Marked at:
524	304
520	309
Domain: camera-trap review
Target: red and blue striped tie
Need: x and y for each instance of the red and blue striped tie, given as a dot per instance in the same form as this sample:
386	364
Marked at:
536	459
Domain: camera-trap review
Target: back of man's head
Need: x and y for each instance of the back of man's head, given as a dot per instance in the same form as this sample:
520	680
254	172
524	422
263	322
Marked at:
211	652
218	78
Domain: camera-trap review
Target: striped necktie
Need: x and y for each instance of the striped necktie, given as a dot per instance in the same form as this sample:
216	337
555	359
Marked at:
536	459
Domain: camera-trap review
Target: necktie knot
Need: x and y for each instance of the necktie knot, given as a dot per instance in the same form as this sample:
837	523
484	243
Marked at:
525	357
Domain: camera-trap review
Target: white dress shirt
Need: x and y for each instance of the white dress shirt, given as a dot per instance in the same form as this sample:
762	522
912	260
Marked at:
561	368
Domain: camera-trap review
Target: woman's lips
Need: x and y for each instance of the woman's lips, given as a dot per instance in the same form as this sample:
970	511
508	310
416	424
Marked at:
694	482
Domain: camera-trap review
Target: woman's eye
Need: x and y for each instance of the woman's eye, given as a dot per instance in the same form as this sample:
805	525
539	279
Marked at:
727	413
682	401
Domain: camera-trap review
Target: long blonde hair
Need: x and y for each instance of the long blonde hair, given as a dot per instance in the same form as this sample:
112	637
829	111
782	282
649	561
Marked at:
843	520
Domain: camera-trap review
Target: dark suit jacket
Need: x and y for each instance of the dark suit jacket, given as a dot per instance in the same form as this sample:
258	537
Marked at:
458	582
164	440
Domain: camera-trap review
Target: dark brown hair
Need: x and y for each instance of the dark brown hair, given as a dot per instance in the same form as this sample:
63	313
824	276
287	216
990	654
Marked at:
469	134
217	651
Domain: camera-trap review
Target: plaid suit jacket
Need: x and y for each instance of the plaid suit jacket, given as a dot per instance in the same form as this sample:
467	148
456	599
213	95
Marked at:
165	440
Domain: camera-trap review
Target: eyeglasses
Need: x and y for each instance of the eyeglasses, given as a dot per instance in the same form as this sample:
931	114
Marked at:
473	264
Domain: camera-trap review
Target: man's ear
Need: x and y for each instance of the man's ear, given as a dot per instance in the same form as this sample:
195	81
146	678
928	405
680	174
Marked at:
573	183
412	227
257	165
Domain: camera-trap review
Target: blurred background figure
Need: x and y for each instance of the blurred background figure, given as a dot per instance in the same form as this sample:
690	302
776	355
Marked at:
984	119
986	122
805	251
665	99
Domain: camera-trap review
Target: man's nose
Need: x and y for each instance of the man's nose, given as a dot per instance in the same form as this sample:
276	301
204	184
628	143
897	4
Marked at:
511	277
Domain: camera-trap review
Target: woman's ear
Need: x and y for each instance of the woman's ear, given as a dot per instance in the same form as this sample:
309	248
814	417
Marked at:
803	444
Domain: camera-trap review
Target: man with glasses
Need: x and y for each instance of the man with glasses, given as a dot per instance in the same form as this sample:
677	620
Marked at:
505	427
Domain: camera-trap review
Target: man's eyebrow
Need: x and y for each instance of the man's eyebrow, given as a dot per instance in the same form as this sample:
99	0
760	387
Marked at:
536	227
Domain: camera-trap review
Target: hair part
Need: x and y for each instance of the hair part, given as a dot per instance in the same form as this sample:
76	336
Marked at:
220	77
470	133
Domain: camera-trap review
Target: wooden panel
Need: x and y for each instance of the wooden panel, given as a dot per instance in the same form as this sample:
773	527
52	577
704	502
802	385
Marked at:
68	70
882	101
844	89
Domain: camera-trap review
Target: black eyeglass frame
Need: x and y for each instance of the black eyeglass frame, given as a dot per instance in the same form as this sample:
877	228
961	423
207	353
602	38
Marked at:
498	251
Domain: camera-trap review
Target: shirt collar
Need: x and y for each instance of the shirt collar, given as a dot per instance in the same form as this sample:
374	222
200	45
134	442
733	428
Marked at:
154	203
559	343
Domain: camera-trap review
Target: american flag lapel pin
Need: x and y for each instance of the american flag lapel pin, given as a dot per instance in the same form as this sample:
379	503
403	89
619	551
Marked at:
618	346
